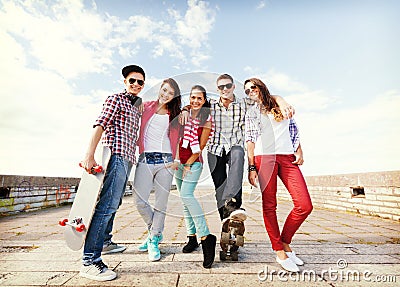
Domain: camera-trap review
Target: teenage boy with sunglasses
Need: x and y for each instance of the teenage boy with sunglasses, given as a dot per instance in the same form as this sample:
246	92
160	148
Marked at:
117	125
226	147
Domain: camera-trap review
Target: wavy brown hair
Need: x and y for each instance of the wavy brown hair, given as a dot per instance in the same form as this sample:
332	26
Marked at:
173	106
268	102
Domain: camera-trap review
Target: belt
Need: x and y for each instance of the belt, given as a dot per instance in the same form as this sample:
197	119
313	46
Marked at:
155	157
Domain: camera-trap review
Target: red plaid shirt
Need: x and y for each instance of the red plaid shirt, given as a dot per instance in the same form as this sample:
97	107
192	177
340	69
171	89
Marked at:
120	121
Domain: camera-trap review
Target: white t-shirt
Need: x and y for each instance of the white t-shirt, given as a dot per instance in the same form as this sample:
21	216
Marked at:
274	138
156	134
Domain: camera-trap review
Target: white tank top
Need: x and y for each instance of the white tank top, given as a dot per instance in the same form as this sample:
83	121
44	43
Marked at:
274	138
156	134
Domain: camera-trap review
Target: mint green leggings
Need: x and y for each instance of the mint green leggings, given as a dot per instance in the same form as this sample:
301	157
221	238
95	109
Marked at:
192	211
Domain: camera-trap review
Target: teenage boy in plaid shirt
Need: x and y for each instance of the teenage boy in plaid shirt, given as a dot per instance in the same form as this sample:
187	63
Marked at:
226	147
117	125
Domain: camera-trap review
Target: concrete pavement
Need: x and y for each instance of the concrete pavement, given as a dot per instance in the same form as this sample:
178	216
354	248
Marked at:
340	249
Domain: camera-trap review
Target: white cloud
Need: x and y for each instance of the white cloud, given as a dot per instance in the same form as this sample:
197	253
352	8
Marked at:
353	139
67	38
193	28
47	48
337	138
63	37
295	92
260	5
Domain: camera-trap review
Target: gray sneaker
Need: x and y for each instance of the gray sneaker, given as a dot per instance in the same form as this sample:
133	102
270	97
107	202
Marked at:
113	248
97	271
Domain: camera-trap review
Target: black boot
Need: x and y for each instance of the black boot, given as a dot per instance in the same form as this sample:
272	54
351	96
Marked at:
208	246
191	245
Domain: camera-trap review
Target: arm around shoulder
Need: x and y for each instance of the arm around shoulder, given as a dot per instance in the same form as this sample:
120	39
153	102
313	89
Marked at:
286	109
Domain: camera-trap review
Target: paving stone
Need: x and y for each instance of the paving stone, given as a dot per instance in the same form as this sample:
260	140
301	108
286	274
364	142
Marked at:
136	256
39	265
34	278
349	258
325	237
382	268
192	267
369	238
53	256
185	280
129	278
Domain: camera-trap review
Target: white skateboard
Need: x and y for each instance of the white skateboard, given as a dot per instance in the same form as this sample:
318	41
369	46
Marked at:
80	216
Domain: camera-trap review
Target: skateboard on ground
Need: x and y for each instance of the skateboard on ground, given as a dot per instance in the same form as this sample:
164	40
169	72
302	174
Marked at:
80	216
232	235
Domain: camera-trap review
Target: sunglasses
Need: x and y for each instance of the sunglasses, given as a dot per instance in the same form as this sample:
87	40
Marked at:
247	91
133	80
228	86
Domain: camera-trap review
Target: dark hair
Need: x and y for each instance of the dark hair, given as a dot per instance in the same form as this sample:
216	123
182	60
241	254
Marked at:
268	102
133	68
205	109
173	106
225	76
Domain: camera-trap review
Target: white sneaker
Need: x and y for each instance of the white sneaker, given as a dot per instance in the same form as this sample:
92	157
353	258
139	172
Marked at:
97	271
294	258
239	215
288	264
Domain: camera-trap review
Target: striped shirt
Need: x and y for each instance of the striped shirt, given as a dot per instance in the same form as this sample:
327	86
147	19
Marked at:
254	127
229	125
120	121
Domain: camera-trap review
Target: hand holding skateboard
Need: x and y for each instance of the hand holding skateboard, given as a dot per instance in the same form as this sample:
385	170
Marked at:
93	169
78	222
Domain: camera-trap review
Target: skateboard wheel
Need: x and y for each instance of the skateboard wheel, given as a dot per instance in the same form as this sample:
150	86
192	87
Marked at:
239	240
225	237
98	169
222	256
234	256
63	222
80	227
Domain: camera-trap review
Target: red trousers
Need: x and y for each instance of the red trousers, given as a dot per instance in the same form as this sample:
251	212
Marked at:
269	167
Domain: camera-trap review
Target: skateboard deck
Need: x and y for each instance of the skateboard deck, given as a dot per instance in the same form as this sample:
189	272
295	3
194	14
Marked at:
80	216
232	237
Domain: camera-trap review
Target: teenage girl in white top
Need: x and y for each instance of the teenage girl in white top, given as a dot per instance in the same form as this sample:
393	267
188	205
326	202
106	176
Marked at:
274	150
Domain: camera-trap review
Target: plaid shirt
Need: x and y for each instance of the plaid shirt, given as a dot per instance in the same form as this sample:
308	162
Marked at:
229	125
253	127
120	120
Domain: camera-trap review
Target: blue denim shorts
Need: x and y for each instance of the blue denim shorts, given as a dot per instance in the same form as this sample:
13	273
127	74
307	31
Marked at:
155	157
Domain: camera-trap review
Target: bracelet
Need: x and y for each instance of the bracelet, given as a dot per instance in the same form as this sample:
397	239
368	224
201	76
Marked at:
252	167
177	160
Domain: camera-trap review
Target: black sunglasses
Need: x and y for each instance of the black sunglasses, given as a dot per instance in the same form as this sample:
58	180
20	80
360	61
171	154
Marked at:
247	91
133	80
228	86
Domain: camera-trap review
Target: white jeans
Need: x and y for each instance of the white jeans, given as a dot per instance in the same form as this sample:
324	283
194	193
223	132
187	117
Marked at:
148	176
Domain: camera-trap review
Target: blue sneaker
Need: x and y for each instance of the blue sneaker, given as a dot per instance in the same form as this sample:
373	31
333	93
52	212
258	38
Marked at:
152	245
144	246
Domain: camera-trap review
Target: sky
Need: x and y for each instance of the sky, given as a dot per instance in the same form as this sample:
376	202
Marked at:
335	61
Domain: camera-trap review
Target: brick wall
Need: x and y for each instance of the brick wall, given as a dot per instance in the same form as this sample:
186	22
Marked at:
27	193
381	192
381	189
